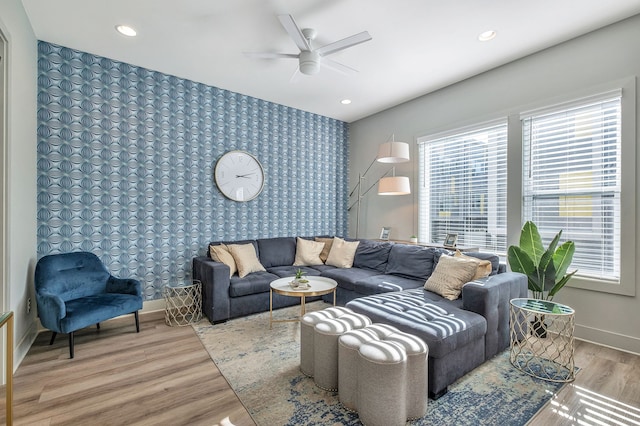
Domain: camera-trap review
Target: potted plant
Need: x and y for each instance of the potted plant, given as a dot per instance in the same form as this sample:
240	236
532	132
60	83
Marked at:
413	239
546	269
299	281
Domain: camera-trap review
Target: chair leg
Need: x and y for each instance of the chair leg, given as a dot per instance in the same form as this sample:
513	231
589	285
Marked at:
71	345
137	322
53	337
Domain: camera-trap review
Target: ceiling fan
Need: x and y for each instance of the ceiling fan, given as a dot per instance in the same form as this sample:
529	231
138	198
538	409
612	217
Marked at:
310	59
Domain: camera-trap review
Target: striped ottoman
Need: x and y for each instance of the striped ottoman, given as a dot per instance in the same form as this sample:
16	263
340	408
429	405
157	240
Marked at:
319	335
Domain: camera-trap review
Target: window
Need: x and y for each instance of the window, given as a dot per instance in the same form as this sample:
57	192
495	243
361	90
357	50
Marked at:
463	187
572	177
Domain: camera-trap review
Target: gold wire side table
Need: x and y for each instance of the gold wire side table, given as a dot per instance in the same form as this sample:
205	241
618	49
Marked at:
183	303
542	342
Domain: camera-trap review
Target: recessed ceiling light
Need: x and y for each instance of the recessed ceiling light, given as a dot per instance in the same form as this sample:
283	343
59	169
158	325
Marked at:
487	35
126	30
345	101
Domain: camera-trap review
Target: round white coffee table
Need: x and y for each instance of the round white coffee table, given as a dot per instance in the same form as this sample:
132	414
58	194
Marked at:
318	286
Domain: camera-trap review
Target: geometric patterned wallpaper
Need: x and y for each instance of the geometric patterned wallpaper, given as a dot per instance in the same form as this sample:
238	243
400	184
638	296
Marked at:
126	157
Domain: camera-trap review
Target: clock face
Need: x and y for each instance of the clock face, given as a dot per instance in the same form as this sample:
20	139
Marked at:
239	176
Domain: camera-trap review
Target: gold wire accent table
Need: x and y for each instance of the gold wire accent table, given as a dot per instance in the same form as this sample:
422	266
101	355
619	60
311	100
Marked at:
183	303
7	318
542	342
318	286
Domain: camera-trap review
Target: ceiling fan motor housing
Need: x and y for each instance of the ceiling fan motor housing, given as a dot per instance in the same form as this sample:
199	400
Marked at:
309	62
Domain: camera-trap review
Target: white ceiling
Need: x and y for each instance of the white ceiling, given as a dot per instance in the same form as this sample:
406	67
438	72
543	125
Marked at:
418	46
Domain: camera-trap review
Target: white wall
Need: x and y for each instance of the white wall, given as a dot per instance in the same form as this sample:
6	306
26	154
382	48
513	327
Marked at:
592	60
20	211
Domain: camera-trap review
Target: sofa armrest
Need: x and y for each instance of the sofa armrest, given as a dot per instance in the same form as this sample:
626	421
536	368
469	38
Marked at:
490	298
51	309
124	286
214	277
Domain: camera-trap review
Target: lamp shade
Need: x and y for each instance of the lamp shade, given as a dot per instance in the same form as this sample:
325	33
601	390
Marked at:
394	185
393	152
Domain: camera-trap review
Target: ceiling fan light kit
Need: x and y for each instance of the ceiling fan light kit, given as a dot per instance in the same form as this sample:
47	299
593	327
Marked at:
309	62
309	59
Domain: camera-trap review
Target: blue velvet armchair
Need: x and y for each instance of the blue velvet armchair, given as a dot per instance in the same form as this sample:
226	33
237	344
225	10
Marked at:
75	290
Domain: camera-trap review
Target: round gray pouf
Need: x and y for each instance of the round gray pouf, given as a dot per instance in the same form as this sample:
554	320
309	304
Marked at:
307	324
349	354
325	347
417	384
382	374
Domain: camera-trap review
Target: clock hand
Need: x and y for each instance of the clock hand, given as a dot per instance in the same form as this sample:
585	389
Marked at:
245	175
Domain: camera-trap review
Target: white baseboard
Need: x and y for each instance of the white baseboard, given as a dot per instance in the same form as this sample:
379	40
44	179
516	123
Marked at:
23	346
152	306
607	338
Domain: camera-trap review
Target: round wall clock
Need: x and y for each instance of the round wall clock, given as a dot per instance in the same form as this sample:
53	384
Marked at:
239	176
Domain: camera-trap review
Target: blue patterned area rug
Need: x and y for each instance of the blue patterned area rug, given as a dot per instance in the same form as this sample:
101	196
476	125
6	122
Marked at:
262	367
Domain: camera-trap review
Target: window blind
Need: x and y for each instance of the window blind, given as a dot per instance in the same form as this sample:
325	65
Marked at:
463	187
571	182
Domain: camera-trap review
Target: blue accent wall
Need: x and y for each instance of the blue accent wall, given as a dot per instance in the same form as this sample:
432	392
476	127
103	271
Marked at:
126	157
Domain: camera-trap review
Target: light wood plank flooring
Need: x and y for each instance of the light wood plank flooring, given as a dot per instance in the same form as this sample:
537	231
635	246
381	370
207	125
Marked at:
164	376
161	376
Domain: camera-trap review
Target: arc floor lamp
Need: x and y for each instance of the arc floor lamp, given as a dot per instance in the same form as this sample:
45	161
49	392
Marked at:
391	152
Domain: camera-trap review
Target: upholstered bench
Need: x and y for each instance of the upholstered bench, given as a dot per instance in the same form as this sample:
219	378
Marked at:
319	333
455	337
382	374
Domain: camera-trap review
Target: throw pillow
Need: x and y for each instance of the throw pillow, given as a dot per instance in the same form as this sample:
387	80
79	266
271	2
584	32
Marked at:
484	266
220	253
308	252
342	253
327	247
246	259
450	275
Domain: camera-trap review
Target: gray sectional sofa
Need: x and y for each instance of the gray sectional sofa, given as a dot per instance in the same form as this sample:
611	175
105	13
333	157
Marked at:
385	283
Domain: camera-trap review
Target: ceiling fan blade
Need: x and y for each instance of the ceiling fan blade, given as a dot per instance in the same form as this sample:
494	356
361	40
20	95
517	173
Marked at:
343	44
296	76
269	55
294	32
337	66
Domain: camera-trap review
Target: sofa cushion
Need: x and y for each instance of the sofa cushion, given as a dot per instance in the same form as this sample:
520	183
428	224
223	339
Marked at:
385	283
277	251
372	255
327	247
246	259
449	275
220	253
257	282
215	243
342	253
411	261
308	252
483	268
494	259
347	277
290	271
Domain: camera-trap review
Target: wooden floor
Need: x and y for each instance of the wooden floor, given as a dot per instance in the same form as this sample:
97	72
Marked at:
164	376
161	376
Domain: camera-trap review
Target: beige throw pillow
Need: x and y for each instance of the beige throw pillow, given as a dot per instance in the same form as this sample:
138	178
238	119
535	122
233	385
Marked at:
220	253
246	259
308	253
342	253
484	266
450	275
328	242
